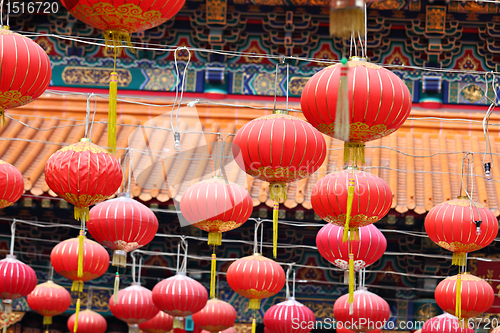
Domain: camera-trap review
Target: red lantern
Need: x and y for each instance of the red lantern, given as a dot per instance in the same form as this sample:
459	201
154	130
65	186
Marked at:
368	311
278	149
255	277
11	182
476	295
25	69
289	316
83	174
16	280
123	225
88	322
161	323
379	102
452	225
329	199
134	306
369	248
49	300
180	295
64	259
216	316
445	323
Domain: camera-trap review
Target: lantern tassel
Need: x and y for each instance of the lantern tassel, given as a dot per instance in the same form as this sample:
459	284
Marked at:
133	328
178	323
81	239
342	115
214	238
254	325
458	305
116	287
77	286
254	304
351	281
82	214
212	275
350	198
345	21
113	92
458	259
119	258
354	153
277	194
77	312
47	320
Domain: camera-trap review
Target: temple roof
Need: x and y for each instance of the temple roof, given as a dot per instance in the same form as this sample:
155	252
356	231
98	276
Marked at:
421	162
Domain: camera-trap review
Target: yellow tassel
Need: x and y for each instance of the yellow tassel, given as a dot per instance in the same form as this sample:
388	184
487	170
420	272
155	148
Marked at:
81	239
351	278
77	286
214	238
254	304
47	320
275	228
254	325
350	198
115	38
82	214
354	234
116	287
342	114
458	306
354	153
178	323
77	312
458	259
212	276
113	92
277	193
344	21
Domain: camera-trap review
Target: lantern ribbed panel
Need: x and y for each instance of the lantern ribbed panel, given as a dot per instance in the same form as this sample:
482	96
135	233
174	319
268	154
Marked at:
16	278
161	323
88	322
25	69
12	184
49	299
279	148
477	295
370	247
64	259
255	277
372	308
445	323
123	15
451	225
372	198
216	316
134	306
285	316
215	205
122	224
180	295
380	101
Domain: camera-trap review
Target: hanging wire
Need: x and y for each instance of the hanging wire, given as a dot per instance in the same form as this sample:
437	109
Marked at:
287	83
275	86
255	245
13	236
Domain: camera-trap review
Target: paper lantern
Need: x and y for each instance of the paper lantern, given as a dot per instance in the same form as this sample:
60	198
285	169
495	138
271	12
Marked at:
16	280
180	295
476	295
161	323
11	182
88	322
378	103
445	323
25	69
49	299
255	277
452	225
372	308
284	317
123	225
278	149
373	199
216	316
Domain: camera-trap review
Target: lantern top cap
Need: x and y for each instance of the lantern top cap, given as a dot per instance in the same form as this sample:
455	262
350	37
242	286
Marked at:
85	140
5	27
462	197
280	111
257	254
123	195
355	58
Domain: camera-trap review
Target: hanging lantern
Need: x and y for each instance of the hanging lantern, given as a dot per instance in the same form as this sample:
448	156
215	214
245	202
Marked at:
16	280
161	323
216	206
255	277
216	316
285	316
25	69
134	306
49	300
88	322
445	323
379	103
475	296
11	181
461	226
180	295
297	154
372	308
123	225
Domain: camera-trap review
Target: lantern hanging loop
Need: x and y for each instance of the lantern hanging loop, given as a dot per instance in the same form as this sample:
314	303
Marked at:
90	295
470	176
178	257
258	222
51	272
275	86
134	260
132	254
486	119
287	84
184	245
141	261
176	129
12	236
293	285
